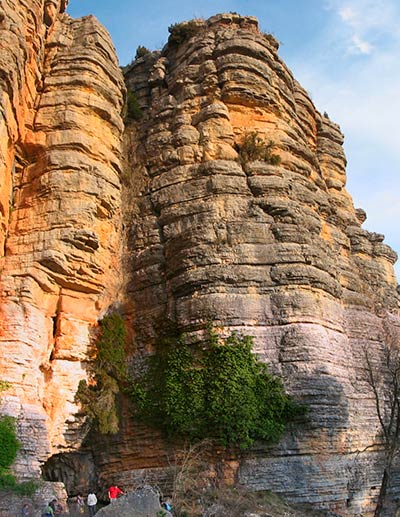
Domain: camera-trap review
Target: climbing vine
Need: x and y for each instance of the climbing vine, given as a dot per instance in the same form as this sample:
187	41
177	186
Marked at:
109	375
9	447
133	111
9	444
222	392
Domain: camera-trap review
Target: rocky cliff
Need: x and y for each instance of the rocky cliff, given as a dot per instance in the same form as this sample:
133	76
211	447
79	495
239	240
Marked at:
275	250
61	98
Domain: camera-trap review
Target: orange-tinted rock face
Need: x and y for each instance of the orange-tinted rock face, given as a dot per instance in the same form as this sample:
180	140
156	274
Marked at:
60	205
275	251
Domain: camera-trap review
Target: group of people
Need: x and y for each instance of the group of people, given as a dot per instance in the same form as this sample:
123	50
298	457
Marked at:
54	508
91	502
113	493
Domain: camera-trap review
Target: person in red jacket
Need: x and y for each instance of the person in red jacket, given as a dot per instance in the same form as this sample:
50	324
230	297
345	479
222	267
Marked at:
113	492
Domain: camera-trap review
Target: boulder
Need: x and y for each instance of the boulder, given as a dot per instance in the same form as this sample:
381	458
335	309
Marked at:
144	502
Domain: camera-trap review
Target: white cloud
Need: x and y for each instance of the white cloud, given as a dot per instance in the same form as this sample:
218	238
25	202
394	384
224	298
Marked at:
366	21
360	46
347	14
360	92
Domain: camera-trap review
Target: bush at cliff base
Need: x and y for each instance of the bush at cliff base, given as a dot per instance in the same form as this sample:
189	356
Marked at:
220	392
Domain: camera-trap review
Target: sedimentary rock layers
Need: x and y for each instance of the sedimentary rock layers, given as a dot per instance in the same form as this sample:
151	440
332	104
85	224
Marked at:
20	44
60	270
273	250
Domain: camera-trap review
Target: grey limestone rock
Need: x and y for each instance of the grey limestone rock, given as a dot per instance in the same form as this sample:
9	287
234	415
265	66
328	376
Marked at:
143	502
273	250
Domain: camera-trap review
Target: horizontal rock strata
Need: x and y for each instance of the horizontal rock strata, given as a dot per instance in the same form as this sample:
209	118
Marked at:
61	97
272	250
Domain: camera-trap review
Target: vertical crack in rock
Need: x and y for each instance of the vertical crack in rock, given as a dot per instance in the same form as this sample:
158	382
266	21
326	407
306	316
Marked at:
275	251
62	95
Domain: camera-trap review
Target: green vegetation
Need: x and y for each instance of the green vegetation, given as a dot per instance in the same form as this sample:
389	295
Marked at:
219	391
109	373
9	446
141	52
134	111
222	392
27	488
181	32
5	385
255	148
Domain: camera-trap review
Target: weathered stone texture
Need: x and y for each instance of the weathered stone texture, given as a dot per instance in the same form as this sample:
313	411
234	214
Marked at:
275	251
61	97
140	503
12	504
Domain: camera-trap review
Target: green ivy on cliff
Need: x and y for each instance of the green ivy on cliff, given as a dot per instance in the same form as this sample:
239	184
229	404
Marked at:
222	392
133	111
109	375
9	446
4	385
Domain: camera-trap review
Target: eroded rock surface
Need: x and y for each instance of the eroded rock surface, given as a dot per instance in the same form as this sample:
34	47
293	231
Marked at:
140	503
273	250
61	97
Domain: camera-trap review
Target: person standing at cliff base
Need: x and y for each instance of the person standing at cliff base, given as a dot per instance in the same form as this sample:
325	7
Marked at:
113	492
48	511
26	511
80	503
91	502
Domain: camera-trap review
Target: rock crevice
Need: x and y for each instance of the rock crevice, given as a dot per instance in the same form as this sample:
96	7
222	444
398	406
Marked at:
62	97
163	216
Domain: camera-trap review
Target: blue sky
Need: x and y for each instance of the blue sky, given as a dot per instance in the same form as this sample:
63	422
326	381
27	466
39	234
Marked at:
346	53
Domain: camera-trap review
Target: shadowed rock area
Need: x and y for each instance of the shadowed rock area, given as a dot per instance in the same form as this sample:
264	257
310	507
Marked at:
165	218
